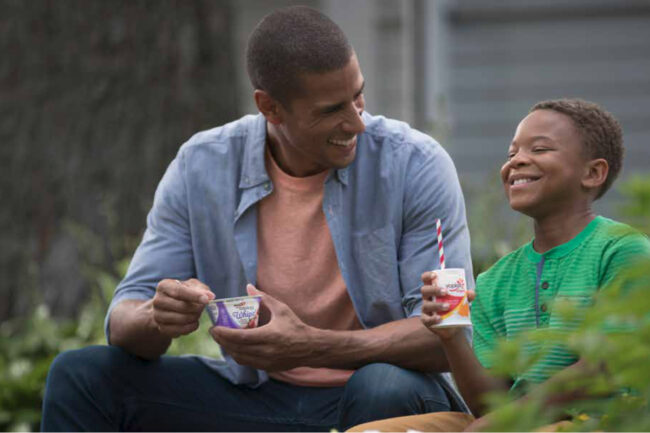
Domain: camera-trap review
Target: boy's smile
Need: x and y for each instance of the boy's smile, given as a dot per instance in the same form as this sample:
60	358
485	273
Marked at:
545	166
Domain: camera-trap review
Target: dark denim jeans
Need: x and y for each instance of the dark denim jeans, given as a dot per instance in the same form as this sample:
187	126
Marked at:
103	388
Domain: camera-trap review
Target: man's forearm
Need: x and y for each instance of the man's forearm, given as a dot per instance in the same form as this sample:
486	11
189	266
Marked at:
405	343
132	328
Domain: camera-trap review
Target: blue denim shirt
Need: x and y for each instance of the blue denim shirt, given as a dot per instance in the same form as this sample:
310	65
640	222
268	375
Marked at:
381	212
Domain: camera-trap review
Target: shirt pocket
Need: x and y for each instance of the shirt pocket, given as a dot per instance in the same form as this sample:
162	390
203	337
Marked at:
375	256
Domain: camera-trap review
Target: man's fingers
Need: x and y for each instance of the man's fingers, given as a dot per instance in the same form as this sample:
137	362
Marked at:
189	291
164	302
163	317
225	335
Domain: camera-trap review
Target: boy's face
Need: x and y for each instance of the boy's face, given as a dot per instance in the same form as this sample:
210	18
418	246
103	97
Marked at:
545	167
319	130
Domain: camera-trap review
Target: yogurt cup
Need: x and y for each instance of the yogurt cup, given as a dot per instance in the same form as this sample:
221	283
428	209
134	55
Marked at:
238	313
453	280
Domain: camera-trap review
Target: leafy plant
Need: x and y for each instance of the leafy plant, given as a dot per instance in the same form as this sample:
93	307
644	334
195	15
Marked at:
614	340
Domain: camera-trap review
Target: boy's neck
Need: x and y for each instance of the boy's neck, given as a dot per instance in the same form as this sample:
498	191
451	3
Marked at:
558	229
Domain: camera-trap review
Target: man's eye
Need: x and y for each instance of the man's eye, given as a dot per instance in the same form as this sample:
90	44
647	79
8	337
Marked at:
331	110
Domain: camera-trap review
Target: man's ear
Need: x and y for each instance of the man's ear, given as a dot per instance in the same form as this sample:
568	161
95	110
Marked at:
269	107
595	173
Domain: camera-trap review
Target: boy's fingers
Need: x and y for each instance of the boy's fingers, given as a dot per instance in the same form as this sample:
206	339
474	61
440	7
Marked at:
432	291
428	277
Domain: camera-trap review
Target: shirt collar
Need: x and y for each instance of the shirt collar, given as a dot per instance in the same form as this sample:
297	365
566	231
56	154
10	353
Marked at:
566	248
253	169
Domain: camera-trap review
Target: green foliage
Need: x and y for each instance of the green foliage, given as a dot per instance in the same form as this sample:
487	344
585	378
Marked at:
636	209
27	347
614	340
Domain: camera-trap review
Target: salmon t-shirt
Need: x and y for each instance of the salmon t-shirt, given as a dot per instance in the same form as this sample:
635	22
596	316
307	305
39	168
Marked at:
296	264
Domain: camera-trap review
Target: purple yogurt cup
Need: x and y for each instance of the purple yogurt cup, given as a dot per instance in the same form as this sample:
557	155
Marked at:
239	313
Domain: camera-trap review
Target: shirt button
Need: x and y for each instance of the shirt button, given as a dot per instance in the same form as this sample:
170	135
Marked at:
545	285
543	308
267	186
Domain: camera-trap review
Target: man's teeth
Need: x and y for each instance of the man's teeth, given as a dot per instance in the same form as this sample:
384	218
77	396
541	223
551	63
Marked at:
520	181
344	143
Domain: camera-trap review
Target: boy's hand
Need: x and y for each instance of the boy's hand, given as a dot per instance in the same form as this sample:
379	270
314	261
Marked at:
432	310
177	306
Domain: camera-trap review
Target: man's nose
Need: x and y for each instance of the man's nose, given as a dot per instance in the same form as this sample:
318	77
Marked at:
353	122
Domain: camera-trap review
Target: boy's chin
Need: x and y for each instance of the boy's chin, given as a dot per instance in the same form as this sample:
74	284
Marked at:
527	209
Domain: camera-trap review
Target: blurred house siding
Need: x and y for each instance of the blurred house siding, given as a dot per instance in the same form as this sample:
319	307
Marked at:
506	55
468	71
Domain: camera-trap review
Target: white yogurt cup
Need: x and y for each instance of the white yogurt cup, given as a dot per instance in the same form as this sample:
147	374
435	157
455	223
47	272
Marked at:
238	313
453	280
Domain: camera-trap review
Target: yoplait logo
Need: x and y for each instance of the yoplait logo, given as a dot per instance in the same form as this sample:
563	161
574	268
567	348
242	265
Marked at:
457	287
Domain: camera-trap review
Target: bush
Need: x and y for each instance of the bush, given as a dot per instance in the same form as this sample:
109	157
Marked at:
614	340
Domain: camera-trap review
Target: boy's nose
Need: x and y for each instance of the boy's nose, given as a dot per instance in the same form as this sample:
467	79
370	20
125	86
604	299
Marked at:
519	159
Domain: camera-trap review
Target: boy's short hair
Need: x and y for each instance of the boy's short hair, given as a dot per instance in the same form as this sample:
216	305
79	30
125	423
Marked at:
289	42
602	134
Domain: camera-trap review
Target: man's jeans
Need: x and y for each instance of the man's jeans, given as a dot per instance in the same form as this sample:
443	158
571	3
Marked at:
104	388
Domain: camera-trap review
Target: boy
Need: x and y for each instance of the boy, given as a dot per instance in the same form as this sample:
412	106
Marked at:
565	154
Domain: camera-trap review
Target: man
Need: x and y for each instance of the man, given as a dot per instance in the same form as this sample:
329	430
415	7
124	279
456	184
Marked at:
330	214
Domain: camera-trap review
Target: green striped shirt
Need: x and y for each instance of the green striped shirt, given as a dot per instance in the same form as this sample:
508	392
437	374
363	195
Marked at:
516	294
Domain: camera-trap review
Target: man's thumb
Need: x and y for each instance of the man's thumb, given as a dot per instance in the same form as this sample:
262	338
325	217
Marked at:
252	290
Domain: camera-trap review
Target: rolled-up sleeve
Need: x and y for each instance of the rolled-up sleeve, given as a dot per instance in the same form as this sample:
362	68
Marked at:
166	247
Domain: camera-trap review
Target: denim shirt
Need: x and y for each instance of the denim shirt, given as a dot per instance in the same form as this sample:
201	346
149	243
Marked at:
381	212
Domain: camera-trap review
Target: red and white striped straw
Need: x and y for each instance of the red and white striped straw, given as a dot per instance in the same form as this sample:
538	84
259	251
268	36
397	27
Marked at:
441	251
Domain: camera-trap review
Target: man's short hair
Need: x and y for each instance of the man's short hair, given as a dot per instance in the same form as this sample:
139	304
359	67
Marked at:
292	41
602	136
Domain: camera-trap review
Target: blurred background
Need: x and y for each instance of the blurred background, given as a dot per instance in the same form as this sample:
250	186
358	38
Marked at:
96	97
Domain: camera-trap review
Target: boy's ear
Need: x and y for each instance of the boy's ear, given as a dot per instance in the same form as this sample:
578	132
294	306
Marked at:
269	107
595	173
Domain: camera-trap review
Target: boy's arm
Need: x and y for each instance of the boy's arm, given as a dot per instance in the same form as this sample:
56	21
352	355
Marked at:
471	377
556	393
473	380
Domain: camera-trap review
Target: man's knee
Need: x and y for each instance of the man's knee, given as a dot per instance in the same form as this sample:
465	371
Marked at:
379	390
74	366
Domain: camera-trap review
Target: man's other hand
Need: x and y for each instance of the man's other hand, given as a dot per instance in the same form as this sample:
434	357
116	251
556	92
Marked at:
177	306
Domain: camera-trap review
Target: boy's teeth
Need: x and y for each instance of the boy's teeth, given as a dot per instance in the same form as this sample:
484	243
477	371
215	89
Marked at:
520	181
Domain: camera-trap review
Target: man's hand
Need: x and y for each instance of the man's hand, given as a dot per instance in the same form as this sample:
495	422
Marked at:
432	310
283	343
177	306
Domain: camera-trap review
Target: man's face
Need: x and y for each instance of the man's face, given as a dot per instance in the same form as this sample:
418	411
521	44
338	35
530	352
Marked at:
318	131
545	167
